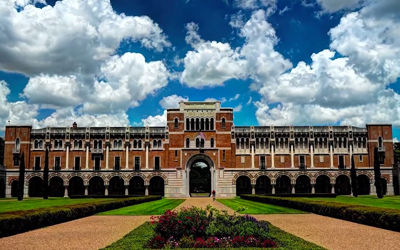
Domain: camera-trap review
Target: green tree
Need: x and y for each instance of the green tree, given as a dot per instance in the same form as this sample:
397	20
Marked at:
377	173
396	152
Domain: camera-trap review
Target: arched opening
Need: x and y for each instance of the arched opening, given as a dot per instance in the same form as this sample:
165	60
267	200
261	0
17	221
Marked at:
176	123
96	186
2	188
35	187
156	186
283	185
263	185
187	143
384	186
200	179
243	185
212	124
322	185
202	123
197	124
56	187
342	186
212	142
187	124
223	123
197	142
192	124
116	186
303	185
76	186
14	188
207	124
136	186
363	185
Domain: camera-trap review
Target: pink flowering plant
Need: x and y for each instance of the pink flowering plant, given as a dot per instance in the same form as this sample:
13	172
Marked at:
197	228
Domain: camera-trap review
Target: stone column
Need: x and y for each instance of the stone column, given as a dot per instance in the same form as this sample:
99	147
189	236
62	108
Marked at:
126	190
146	192
313	188
107	150
87	157
332	188
106	190
127	158
273	188
252	156
147	156
331	155
272	156
67	159
312	156
26	190
293	188
86	190
253	189
291	156
66	192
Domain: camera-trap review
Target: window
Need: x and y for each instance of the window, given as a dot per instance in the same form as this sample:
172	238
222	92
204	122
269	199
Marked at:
242	159
97	160
282	158
380	142
202	143
187	124
321	158
176	123
38	144
135	144
207	124
212	142
197	142
360	159
17	144
202	124
262	162
57	163
77	144
37	163
117	163
154	144
176	153
223	155
187	143
302	162
341	161
212	124
157	163
159	144
140	144
192	124
223	123
77	163
16	160
137	163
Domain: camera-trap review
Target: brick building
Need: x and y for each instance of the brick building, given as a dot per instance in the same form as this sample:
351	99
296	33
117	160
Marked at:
161	160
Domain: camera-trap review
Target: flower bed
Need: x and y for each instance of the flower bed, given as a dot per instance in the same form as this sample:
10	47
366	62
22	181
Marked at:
197	228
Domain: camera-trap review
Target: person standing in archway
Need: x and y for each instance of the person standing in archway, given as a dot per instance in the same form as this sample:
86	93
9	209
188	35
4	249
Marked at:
213	195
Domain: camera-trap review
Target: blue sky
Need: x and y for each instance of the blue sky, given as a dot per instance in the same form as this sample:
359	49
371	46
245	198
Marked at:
276	62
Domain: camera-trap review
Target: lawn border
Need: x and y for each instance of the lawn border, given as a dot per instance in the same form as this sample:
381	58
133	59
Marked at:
16	222
385	218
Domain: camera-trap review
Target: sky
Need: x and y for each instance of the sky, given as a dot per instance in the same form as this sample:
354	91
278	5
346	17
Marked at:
275	62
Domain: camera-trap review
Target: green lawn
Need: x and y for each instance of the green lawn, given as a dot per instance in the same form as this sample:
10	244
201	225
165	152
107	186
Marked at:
365	200
7	205
137	238
149	208
252	207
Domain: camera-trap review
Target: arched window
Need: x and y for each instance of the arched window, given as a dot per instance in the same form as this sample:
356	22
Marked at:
159	144
237	143
154	144
197	124
192	124
257	143
140	144
76	144
176	123
207	124
120	144
17	144
242	144
380	142
247	143
100	144
223	122
40	144
60	143
212	124
202	124
212	142
187	143
364	142
187	124
115	144
197	142
202	143
135	144
262	143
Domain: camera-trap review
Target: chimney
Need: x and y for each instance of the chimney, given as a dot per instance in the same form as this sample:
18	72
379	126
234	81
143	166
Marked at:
74	125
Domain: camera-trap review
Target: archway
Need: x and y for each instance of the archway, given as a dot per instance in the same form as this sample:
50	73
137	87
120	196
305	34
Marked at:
35	188
303	185
243	185
116	186
283	185
14	188
263	185
200	179
96	186
156	186
384	186
342	186
322	185
2	188
76	186
363	185
136	186
56	187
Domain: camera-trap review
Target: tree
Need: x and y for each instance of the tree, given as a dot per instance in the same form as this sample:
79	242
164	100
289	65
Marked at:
21	180
46	175
353	175
396	151
377	173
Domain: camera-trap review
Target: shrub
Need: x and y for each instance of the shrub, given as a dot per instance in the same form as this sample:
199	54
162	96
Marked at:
200	243
268	244
21	221
157	242
373	216
186	242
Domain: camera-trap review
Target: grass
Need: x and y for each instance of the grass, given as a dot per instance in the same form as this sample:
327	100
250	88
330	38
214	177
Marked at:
137	238
149	208
365	200
253	207
35	203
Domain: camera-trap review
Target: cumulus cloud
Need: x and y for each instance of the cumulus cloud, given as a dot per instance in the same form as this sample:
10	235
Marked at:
238	108
249	101
234	98
254	4
172	101
336	5
157	120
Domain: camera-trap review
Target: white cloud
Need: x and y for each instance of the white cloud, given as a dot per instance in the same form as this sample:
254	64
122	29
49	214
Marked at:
238	108
254	4
234	98
249	101
158	120
172	101
395	140
284	10
336	5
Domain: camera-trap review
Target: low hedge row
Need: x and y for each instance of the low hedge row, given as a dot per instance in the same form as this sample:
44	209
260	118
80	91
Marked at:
385	218
21	221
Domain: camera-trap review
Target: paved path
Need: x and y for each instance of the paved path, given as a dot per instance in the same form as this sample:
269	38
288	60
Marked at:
203	203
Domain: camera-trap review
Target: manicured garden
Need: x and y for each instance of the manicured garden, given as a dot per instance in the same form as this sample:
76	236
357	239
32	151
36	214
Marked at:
365	200
36	203
252	207
196	228
149	208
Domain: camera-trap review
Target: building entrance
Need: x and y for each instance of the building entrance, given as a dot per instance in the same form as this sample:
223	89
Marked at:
200	179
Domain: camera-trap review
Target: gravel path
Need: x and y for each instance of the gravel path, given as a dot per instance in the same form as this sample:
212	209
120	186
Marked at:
203	203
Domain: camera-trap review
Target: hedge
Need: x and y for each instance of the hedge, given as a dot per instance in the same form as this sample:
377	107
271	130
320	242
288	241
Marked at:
16	222
385	218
